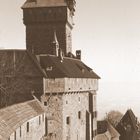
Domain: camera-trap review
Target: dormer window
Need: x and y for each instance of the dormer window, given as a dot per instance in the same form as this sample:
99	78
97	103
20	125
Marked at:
83	70
49	68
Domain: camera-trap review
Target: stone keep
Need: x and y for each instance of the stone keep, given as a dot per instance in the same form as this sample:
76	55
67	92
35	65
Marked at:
69	88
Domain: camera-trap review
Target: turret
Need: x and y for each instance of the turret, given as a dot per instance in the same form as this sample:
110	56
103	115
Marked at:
55	45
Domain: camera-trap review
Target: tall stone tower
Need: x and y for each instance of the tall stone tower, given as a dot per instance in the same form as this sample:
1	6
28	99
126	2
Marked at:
69	86
42	18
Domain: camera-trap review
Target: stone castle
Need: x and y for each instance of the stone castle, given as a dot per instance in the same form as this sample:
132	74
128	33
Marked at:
49	70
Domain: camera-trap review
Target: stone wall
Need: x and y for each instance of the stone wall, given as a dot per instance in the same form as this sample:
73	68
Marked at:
35	130
55	85
69	84
75	106
53	105
72	103
67	116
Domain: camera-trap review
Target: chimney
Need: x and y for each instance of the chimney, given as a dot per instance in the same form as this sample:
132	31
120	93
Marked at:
78	54
55	45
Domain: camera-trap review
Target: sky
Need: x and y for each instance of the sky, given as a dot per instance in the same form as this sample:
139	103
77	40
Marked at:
108	33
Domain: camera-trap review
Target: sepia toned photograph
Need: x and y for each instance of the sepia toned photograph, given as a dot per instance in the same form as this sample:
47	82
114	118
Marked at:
70	70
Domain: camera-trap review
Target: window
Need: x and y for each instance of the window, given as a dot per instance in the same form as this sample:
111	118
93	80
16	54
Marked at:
79	99
67	138
95	114
68	120
94	133
15	135
39	120
27	126
45	103
55	135
49	68
20	133
43	117
79	115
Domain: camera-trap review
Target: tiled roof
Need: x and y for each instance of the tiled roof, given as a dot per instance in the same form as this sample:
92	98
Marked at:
129	120
22	65
9	53
69	67
101	137
113	132
43	3
101	126
109	134
14	116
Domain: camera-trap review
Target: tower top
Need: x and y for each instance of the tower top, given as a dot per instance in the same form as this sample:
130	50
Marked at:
49	3
41	17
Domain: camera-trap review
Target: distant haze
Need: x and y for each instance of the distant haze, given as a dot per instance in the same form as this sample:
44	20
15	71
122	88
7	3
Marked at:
108	33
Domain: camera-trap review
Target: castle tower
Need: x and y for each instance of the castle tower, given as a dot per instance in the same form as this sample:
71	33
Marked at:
41	17
69	86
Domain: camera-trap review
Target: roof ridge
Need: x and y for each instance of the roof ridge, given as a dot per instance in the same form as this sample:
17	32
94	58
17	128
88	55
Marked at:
33	57
17	104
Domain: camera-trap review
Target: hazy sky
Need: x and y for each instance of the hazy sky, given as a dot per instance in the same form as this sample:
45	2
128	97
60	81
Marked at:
108	33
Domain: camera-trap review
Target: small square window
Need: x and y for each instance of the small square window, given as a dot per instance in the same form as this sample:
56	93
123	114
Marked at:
45	104
68	120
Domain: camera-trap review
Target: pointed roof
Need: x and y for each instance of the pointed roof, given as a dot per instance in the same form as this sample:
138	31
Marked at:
113	132
109	134
55	41
129	113
133	120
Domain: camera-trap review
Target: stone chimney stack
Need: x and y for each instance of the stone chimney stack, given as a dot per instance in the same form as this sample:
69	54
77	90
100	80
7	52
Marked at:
78	54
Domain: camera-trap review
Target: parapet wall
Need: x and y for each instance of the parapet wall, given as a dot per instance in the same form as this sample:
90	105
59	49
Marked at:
57	85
